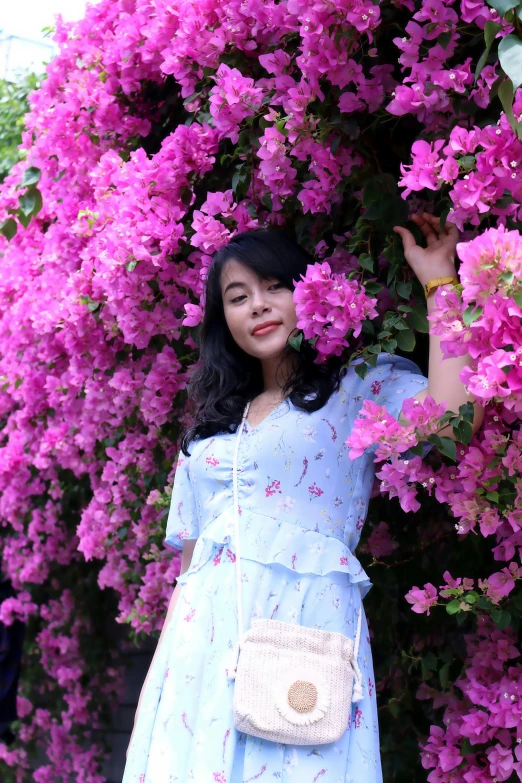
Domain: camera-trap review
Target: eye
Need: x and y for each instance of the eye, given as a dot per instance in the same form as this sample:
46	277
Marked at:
237	299
278	285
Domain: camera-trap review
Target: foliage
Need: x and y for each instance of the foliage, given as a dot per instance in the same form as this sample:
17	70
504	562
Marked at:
13	106
163	128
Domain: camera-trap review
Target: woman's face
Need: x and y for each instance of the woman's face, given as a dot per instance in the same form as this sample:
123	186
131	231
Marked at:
249	302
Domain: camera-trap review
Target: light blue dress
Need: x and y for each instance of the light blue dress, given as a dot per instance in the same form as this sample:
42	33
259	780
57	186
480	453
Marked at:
303	503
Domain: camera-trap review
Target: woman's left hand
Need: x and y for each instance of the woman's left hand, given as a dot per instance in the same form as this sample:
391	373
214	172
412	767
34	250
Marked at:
438	258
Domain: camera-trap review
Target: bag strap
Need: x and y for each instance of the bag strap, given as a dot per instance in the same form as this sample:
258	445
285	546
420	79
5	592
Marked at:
236	530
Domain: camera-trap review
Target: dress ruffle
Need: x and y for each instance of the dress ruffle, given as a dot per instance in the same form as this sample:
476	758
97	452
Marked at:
287	543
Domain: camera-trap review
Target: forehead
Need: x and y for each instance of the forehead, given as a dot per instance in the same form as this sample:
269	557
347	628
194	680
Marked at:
235	271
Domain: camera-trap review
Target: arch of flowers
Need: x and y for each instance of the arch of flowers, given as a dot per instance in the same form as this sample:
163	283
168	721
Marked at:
162	129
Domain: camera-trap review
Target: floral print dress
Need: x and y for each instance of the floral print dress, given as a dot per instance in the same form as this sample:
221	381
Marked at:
303	503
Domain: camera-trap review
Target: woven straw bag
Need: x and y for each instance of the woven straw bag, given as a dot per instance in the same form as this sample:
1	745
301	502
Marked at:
294	685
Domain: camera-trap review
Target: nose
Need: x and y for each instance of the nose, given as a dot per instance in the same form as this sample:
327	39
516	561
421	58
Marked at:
259	302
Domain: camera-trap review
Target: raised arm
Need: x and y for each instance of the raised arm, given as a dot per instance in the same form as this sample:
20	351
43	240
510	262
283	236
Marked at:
437	259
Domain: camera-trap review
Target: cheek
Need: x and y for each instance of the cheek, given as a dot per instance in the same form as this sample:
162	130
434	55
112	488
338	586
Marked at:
289	311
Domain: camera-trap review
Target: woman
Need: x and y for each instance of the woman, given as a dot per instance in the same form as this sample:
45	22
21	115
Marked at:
303	504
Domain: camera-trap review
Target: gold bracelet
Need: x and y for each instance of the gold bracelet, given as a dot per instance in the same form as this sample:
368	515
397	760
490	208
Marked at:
431	285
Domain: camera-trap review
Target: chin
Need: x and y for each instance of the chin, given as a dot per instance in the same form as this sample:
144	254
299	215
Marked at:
266	351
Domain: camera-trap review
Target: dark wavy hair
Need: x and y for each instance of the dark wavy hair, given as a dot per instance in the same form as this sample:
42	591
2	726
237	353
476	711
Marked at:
226	377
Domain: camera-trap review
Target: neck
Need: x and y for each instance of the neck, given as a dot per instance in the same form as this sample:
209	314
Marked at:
275	373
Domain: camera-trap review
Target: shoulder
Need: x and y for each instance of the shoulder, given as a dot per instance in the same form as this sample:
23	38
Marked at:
387	366
392	377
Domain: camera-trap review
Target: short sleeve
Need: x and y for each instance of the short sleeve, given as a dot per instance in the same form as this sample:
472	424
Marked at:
393	380
182	521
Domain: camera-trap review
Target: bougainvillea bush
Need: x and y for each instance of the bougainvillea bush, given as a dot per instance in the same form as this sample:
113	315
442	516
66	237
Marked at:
161	130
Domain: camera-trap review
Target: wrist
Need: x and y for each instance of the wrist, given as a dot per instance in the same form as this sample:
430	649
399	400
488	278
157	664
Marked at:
446	281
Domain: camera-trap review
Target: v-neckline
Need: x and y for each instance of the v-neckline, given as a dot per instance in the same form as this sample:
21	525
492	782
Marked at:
258	425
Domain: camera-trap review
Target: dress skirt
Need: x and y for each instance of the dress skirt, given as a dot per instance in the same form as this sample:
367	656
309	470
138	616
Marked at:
185	731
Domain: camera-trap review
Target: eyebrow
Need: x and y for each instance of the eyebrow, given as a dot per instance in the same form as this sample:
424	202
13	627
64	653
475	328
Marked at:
235	284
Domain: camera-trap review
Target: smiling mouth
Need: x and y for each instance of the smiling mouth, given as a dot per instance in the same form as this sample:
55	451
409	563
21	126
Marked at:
265	330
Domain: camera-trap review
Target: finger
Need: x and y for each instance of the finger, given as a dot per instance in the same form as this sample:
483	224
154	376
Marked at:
433	221
452	230
408	240
428	229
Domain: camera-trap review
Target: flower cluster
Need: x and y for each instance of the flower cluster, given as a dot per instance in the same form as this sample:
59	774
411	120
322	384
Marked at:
482	715
329	307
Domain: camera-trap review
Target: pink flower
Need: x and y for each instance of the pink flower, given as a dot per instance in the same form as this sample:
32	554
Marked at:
380	542
194	314
500	762
499	585
328	307
422	599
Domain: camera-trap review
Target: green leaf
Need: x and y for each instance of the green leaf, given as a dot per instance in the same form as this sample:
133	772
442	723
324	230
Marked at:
444	216
404	289
463	431
190	98
394	707
471	314
372	287
510	56
429	662
454	606
444	39
467	162
9	228
444	676
267	201
446	446
417	450
24	220
38	201
366	261
493	496
30	204
467	412
406	340
296	341
375	188
334	145
131	265
390	345
502	6
490	31
389	211
418	321
27	203
31	176
501	618
361	370
505	94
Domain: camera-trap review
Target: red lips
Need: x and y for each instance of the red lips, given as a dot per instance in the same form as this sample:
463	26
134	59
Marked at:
264	325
